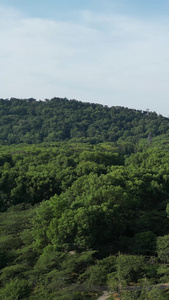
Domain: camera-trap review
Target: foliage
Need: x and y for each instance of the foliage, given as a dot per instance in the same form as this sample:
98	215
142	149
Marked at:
16	289
29	121
163	248
82	214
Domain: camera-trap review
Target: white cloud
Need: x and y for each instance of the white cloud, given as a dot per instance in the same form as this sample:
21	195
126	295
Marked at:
115	59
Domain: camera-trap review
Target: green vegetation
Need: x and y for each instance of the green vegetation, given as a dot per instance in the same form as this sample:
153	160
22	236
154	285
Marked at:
84	201
29	121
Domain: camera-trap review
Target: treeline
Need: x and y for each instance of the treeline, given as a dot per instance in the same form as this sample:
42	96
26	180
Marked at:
30	121
76	217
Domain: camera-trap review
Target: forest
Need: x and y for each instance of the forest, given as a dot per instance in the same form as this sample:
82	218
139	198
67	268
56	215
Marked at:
32	122
84	194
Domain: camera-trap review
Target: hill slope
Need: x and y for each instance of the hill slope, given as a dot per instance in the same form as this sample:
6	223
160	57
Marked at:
76	213
31	121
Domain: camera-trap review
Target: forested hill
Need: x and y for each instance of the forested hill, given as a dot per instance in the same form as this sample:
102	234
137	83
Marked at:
84	201
31	121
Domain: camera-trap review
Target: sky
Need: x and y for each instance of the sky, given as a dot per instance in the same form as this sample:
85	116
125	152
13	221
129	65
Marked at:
112	52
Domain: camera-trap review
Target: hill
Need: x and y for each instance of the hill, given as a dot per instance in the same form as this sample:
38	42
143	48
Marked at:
84	201
31	121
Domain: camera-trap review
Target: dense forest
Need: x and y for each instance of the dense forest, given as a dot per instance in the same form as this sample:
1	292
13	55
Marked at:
84	193
32	122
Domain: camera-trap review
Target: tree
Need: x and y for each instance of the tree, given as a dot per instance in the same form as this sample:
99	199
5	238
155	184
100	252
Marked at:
163	248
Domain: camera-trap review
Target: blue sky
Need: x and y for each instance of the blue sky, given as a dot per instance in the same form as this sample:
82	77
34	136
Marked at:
113	52
52	8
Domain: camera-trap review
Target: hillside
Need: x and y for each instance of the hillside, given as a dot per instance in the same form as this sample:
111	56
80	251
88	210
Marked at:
84	201
31	121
